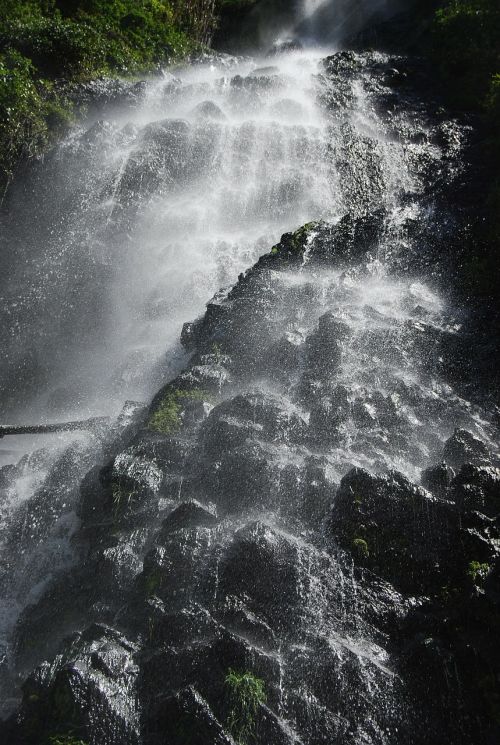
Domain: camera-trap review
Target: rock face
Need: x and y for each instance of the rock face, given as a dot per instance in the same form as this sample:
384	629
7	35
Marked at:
242	527
264	524
87	690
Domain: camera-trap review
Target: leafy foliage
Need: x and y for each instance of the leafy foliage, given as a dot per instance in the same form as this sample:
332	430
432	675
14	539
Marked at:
477	571
360	548
44	42
65	740
465	45
246	693
167	418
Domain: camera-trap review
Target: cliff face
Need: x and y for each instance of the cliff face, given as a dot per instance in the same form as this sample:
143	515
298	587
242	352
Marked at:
297	542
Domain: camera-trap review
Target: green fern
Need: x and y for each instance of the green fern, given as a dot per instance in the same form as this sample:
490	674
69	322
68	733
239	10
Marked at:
245	694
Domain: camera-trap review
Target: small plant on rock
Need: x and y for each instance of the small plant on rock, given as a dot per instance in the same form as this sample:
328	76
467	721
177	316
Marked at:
360	548
477	572
245	694
122	497
65	740
167	418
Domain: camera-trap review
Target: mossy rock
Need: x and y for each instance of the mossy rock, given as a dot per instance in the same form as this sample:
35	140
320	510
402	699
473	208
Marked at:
167	413
293	244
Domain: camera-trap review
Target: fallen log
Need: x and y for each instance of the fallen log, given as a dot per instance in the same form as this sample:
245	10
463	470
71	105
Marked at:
45	429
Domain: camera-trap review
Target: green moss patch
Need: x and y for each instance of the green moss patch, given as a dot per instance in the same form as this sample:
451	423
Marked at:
167	418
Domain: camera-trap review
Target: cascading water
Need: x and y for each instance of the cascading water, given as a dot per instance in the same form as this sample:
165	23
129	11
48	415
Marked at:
205	533
150	212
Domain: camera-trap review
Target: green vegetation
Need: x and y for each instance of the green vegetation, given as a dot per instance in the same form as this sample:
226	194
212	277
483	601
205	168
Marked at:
477	572
65	740
152	581
122	497
465	46
360	548
245	693
167	418
294	243
47	44
217	353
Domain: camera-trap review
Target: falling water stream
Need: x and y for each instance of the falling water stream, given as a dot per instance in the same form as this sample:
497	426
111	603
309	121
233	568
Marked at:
150	212
130	226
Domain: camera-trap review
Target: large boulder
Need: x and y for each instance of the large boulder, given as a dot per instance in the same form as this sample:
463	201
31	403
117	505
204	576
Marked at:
477	488
245	479
463	447
396	528
251	416
263	567
87	692
185	719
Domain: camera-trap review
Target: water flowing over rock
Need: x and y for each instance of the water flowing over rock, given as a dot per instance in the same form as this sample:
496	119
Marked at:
310	499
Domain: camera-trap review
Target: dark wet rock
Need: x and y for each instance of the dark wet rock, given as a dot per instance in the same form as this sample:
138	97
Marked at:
177	628
437	479
395	528
208	110
224	432
396	77
265	71
255	84
464	447
323	355
245	478
88	691
324	346
165	132
167	452
107	93
375	409
336	670
8	475
177	568
242	621
48	620
328	416
477	488
135	483
253	416
95	503
345	61
283	358
263	565
188	515
185	719
211	377
307	491
247	317
117	563
204	664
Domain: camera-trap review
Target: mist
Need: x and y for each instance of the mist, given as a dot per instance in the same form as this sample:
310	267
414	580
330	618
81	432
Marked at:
335	21
329	23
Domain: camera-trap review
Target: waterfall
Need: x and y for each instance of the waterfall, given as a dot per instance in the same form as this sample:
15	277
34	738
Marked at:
205	534
142	216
